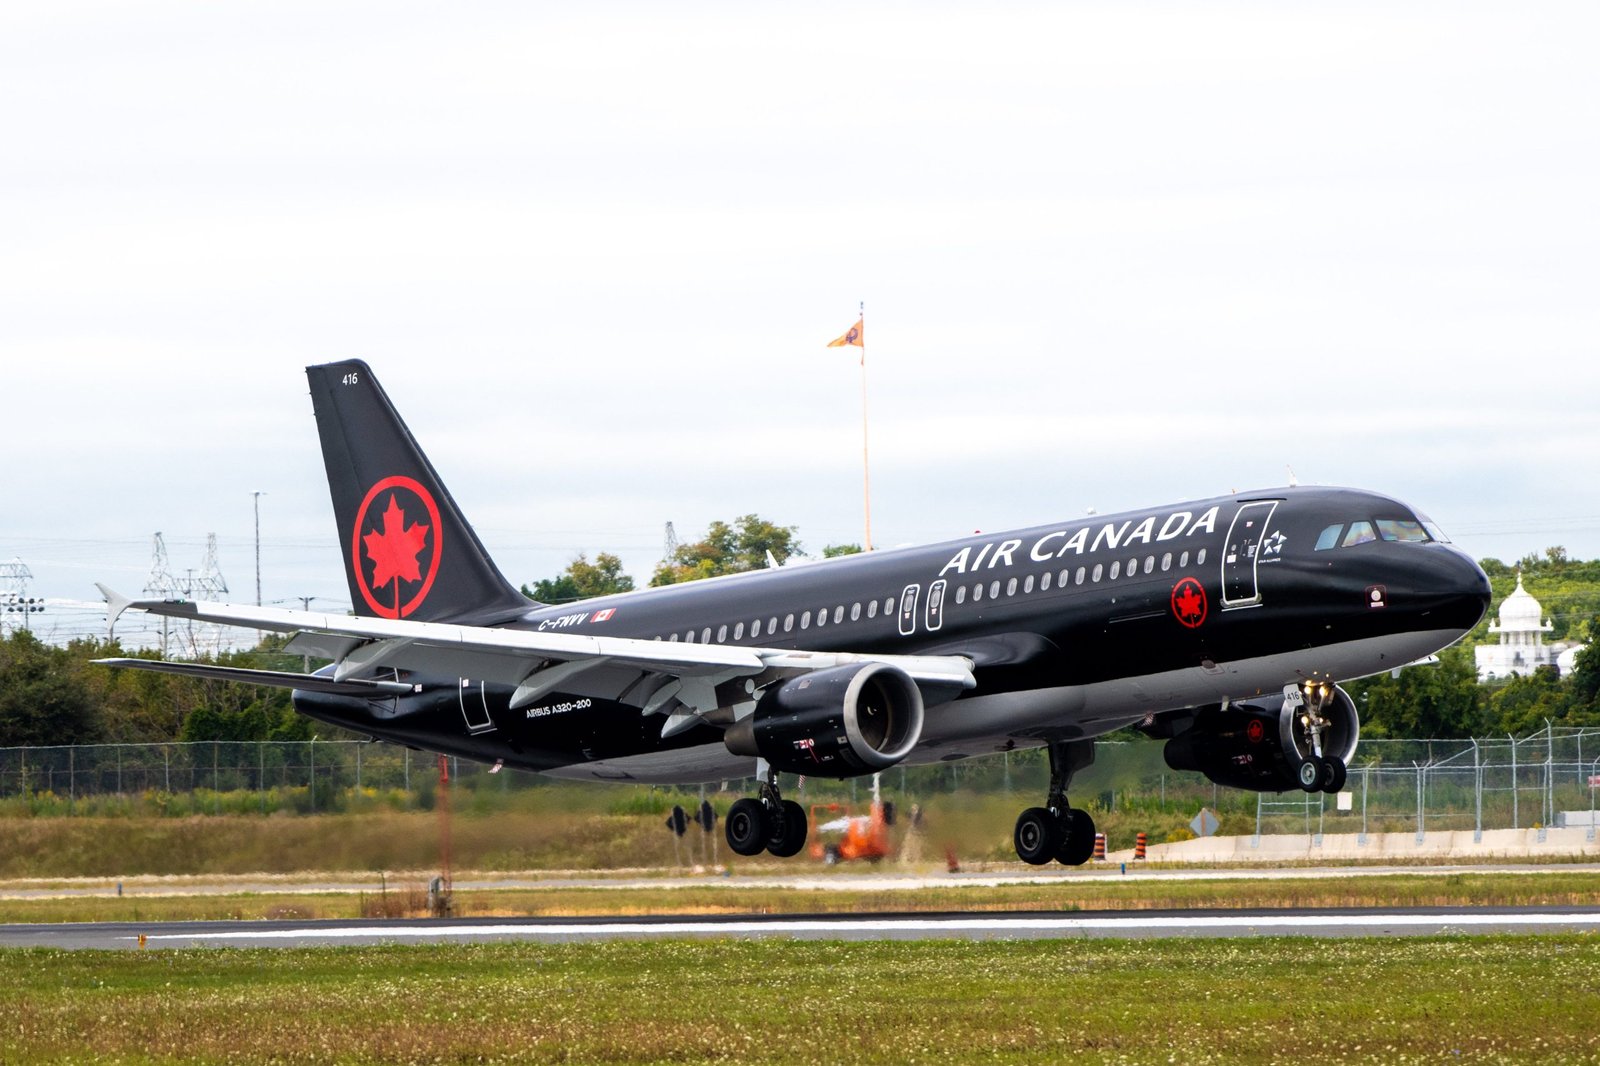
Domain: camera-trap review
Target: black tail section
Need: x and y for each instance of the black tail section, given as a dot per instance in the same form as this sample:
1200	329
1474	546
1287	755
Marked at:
408	552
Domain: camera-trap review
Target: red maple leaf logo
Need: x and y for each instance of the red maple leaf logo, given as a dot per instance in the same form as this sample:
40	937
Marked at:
1189	602
394	551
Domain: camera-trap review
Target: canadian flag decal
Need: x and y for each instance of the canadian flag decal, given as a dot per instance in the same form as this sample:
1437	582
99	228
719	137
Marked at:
604	616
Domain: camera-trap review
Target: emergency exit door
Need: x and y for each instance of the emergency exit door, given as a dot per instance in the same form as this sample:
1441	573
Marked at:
1239	556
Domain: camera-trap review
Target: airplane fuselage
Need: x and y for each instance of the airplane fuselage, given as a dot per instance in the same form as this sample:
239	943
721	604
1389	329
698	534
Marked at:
1074	630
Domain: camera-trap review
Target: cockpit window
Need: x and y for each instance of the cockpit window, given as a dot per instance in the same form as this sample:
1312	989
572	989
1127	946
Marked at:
1330	537
1433	529
1403	529
1360	533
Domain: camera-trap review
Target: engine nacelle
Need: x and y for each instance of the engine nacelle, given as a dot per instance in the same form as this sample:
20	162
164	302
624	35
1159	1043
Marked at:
1265	749
841	722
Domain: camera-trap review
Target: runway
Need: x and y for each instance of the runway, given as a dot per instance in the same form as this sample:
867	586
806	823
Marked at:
1381	922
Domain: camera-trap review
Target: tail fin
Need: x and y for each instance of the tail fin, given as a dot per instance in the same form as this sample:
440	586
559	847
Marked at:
408	552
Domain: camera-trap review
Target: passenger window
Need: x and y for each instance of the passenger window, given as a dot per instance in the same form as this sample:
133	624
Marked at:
838	614
1149	564
1044	582
738	631
788	623
1329	537
888	605
1360	533
772	624
1077	578
1011	587
705	635
961	594
689	637
1183	560
1116	568
755	629
977	593
722	634
805	620
822	617
872	608
1098	570
673	639
994	589
1200	557
855	612
1166	562
1027	585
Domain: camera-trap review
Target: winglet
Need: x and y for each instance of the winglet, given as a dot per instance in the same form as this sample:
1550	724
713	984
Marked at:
116	603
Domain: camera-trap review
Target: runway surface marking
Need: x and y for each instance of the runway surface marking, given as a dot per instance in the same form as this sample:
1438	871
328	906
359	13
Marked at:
1198	924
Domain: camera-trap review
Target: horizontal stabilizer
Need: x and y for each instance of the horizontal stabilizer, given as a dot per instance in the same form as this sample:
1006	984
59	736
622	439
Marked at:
274	678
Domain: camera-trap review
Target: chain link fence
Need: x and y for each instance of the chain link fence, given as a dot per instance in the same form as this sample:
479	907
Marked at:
1545	779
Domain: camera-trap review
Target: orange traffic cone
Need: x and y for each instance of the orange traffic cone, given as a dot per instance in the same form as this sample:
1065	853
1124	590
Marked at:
1139	845
1100	846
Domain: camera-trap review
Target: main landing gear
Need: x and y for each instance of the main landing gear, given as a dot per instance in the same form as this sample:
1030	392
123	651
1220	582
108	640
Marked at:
1058	831
769	822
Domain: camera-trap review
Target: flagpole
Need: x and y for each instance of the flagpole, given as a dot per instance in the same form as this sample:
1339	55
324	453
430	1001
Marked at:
866	469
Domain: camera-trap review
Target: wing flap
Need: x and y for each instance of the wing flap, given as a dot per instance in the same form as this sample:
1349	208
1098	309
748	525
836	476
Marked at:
273	678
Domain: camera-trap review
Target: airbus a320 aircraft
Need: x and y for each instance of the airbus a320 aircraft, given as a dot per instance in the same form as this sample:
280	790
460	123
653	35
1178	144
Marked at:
1221	624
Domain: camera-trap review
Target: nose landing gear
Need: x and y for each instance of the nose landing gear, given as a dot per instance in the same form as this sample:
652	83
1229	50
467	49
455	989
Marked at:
1321	771
1056	830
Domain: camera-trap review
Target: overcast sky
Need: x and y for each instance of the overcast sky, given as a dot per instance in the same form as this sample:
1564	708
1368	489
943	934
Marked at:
1112	255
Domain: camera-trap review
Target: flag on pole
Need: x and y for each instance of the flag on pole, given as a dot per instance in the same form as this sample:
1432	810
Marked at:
855	335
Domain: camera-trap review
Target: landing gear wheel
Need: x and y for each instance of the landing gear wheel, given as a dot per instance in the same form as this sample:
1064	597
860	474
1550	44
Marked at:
1308	775
1334	774
746	827
1037	836
789	836
1077	843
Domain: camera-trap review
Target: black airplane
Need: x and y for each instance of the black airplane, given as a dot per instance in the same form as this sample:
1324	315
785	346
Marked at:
1221	624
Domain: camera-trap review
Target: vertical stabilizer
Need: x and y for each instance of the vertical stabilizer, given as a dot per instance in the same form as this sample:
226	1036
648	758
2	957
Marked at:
408	552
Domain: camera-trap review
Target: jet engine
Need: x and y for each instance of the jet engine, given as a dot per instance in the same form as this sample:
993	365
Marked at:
1305	743
841	722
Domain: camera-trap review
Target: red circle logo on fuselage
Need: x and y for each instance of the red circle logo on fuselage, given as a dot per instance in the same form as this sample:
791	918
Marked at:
1189	602
394	546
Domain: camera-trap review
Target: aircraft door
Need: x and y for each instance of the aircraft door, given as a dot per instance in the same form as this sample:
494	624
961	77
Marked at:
1239	588
908	610
934	613
475	708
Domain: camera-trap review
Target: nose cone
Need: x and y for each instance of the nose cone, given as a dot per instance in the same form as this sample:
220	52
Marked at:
1459	588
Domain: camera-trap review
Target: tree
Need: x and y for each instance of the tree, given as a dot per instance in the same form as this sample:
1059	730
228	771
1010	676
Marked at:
833	551
583	580
43	697
1424	701
728	550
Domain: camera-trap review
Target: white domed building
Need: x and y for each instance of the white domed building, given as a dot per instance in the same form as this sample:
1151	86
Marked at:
1521	626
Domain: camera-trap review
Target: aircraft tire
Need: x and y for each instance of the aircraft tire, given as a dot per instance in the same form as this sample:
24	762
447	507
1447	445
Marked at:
791	836
1334	774
1077	843
1037	836
1308	775
746	827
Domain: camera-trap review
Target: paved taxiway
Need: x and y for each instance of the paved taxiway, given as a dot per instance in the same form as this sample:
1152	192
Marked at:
1053	925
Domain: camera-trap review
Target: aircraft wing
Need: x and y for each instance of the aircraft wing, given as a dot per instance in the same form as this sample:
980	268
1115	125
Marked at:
648	673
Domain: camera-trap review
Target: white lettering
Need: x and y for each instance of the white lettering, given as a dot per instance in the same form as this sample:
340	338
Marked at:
1036	554
1173	525
1109	535
959	562
1004	551
1207	520
1142	532
1077	542
978	562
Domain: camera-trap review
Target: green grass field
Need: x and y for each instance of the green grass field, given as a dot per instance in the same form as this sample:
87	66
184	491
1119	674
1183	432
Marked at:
1466	999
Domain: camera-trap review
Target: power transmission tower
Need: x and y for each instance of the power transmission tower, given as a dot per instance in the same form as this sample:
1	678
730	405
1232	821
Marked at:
14	598
209	585
670	548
